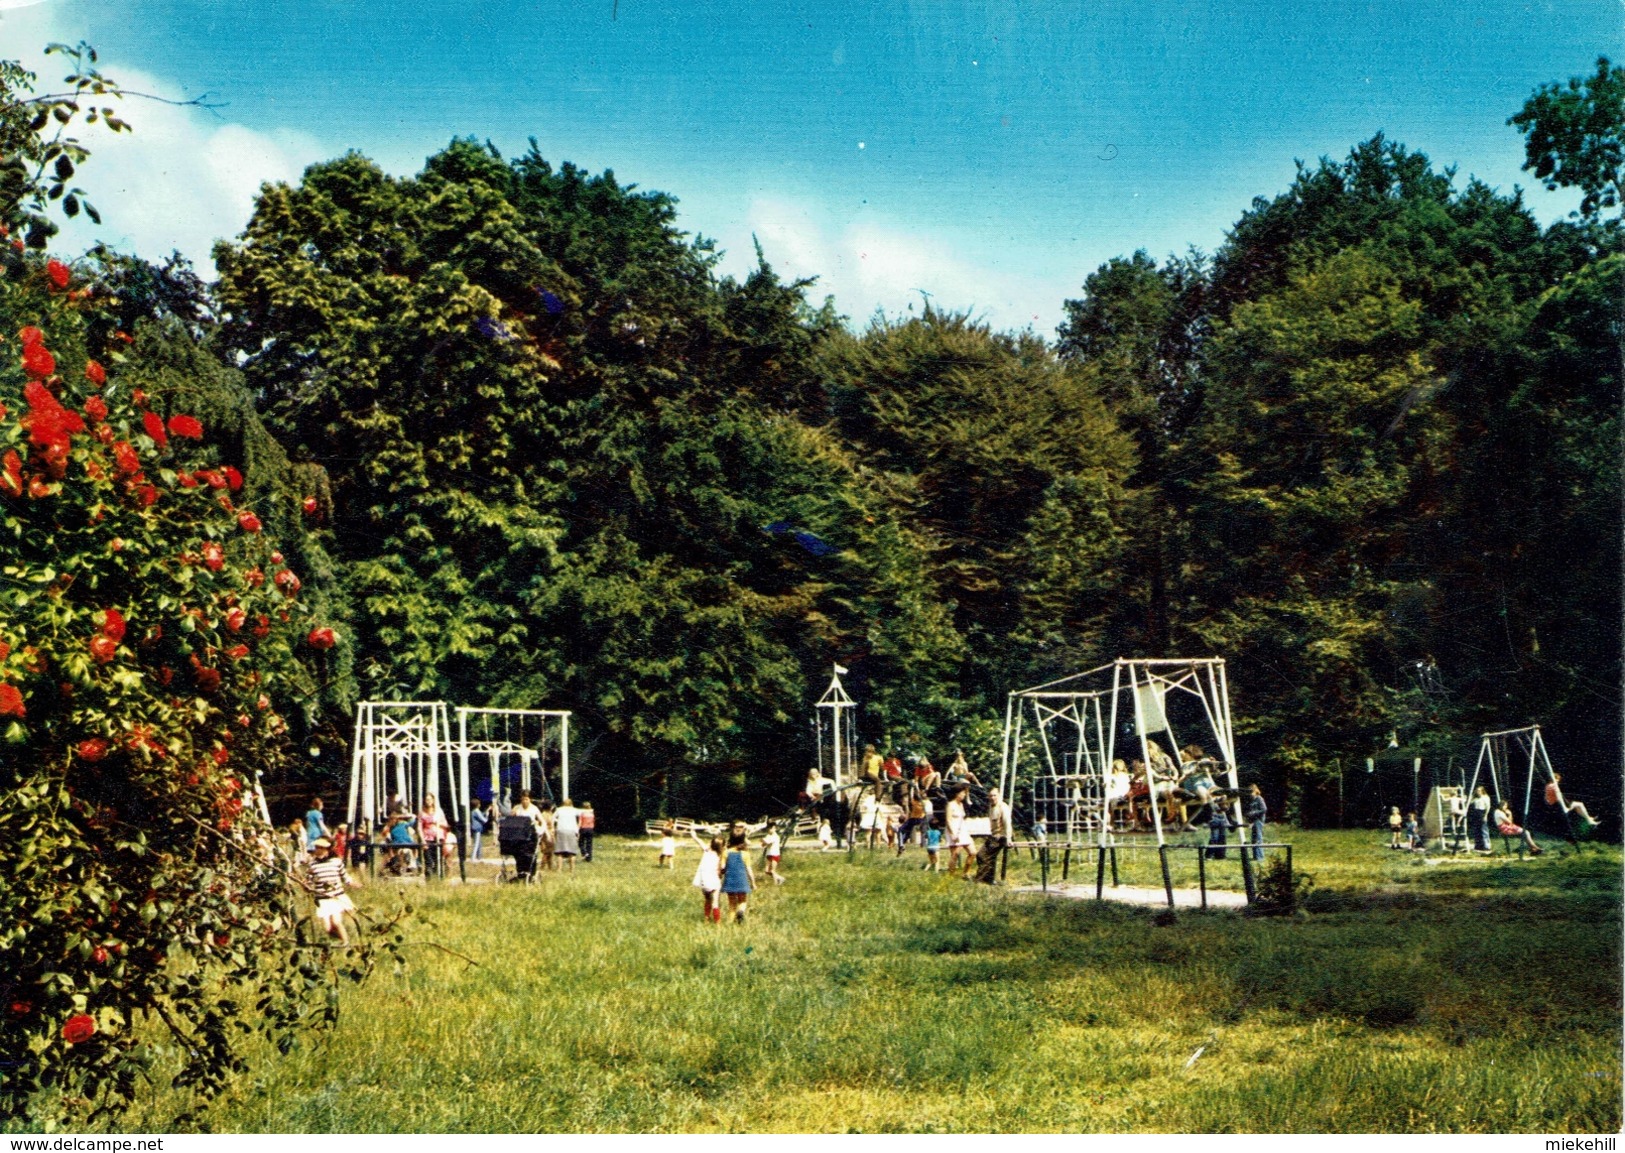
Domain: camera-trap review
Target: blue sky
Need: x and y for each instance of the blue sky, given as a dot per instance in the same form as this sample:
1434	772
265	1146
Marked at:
989	153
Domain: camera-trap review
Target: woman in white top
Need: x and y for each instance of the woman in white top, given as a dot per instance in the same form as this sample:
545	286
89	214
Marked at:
566	833
958	837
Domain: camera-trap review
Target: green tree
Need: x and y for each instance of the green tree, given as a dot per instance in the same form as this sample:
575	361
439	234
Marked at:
1574	136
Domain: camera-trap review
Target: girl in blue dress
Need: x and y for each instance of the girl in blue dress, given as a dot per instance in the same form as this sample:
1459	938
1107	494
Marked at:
737	878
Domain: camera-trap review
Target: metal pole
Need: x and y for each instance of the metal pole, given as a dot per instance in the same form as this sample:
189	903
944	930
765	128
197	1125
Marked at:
1100	873
1201	874
1167	877
564	751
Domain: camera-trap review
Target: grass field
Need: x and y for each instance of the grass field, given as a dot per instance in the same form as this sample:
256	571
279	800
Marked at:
867	996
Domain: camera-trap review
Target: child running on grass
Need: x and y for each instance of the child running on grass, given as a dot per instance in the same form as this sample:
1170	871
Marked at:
771	845
668	847
708	878
737	877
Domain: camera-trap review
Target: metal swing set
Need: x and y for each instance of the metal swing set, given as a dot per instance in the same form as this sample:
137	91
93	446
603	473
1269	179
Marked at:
1498	753
405	748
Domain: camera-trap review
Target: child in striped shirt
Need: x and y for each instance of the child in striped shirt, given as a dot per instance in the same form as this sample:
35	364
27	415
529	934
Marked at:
328	881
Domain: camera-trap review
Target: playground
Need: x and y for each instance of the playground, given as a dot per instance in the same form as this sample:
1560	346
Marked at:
868	996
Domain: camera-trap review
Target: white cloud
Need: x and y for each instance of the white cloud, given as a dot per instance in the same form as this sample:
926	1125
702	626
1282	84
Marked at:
183	178
870	263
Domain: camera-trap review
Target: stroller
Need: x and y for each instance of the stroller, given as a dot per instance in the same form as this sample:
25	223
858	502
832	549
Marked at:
517	838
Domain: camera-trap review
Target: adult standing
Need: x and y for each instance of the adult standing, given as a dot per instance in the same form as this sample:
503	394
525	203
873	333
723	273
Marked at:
1254	811
1478	819
525	823
958	834
589	825
479	819
998	836
567	833
432	826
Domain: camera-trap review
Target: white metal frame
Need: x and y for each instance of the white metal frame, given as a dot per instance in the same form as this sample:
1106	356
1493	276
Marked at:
1094	704
1493	754
411	740
842	724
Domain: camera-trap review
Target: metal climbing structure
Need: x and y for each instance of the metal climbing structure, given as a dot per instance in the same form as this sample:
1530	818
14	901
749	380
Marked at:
1067	744
835	722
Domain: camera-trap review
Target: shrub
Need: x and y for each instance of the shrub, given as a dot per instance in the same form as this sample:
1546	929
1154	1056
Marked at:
147	630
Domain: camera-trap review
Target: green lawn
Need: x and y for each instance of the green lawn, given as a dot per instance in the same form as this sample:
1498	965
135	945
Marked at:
867	996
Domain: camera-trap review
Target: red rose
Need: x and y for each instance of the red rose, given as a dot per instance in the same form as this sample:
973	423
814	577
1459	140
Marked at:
95	373
214	557
235	619
147	495
186	479
129	462
99	955
310	506
321	639
221	756
187	426
288	582
211	478
92	749
262	626
103	649
30	336
276	558
37	361
105	434
38	489
155	428
254	577
113	625
96	408
237	652
263	703
11	702
234	479
57	272
5	650
139	397
248	522
225	502
80	1027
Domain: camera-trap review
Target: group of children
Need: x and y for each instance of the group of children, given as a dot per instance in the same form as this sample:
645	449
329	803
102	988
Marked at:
724	869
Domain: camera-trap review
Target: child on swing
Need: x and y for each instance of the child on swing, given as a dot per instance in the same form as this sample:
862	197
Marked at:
1554	796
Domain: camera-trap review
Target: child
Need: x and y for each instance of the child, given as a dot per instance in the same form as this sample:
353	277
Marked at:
708	879
933	847
1505	826
1394	826
341	841
328	880
1040	831
1554	796
1413	835
668	847
771	845
737	878
826	840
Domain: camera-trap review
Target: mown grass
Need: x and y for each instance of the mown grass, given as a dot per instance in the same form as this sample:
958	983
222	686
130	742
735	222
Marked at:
867	996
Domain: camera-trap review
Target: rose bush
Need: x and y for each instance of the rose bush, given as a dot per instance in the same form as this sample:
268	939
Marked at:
146	921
